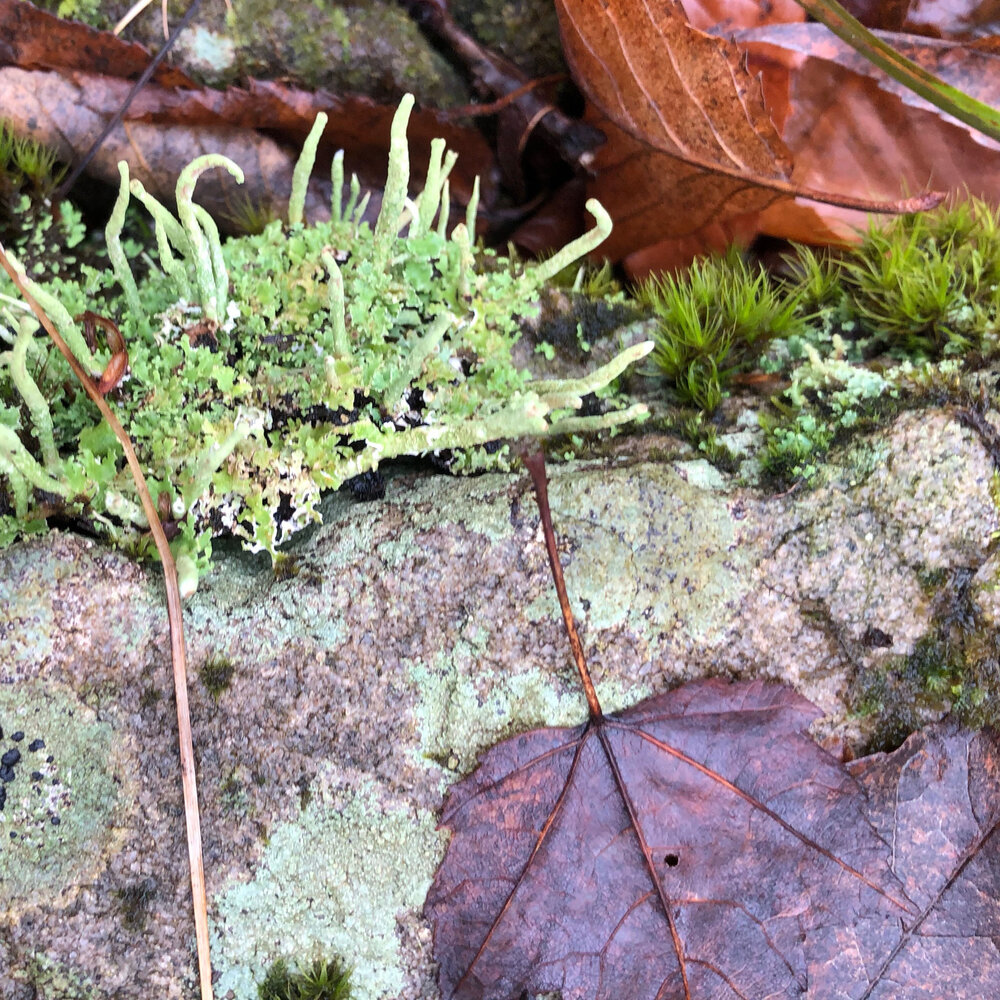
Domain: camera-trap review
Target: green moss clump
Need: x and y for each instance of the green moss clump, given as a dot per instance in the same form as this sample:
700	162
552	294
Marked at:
134	901
715	321
319	981
26	166
893	320
217	674
44	238
929	284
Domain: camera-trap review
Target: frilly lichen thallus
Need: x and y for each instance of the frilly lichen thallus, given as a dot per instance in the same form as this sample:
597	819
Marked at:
272	367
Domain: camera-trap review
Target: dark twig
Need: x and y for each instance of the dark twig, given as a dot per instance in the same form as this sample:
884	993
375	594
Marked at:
74	175
573	140
535	464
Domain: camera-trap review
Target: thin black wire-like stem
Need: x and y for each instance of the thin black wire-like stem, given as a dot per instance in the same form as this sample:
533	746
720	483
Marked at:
74	175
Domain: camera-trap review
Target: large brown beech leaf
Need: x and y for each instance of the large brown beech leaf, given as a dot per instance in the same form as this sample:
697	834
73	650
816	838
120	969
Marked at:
690	139
850	125
700	846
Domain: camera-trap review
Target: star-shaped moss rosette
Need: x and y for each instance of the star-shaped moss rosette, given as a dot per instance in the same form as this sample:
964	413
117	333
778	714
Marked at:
272	367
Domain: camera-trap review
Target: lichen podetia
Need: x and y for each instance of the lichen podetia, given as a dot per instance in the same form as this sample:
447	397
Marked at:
272	367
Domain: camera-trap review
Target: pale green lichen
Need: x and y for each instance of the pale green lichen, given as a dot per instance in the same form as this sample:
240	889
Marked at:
614	574
359	864
312	354
58	819
53	980
461	715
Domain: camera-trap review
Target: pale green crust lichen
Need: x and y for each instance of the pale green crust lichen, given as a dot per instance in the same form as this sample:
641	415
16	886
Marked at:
358	864
460	716
276	366
53	980
614	575
58	828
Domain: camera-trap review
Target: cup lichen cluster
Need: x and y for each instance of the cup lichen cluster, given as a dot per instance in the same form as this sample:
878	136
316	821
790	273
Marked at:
269	368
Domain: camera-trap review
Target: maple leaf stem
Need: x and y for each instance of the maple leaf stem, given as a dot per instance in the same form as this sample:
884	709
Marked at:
536	466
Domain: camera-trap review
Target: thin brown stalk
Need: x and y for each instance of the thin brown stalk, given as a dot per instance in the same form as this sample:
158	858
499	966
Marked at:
535	464
176	620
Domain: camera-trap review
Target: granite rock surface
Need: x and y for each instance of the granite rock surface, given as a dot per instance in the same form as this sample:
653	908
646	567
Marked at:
333	701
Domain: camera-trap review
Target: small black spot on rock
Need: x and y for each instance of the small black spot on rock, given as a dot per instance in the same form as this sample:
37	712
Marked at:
875	637
3	796
17	737
13	834
367	486
49	759
11	757
37	775
55	821
6	773
36	745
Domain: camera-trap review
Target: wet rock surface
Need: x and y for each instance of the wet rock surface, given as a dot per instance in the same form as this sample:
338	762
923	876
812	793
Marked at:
399	639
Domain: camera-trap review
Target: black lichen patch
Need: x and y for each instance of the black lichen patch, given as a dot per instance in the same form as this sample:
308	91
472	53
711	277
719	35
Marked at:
322	980
367	486
217	674
62	793
14	764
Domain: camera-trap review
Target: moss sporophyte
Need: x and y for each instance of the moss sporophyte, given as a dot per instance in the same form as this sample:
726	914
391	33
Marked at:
269	368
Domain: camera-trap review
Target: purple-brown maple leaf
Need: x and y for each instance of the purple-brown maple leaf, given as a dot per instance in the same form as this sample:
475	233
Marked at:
697	845
700	846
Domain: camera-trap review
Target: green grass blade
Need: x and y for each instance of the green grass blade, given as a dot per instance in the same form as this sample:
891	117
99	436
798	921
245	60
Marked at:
942	95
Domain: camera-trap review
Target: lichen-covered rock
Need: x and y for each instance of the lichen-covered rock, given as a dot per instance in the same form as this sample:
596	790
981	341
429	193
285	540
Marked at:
369	47
404	636
266	370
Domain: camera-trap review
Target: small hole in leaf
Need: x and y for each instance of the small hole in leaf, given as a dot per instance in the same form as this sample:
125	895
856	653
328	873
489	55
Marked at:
671	860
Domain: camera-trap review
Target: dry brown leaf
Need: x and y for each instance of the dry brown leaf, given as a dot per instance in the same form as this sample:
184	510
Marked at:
936	18
849	125
68	113
676	850
723	16
165	129
34	39
693	143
